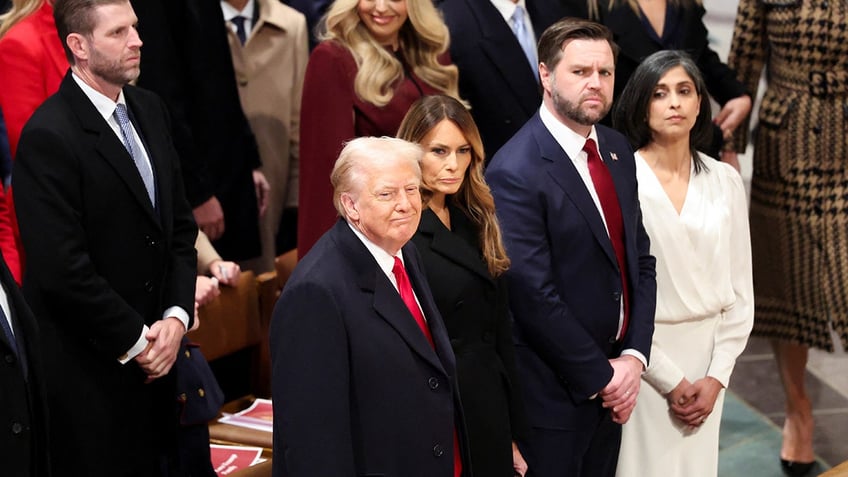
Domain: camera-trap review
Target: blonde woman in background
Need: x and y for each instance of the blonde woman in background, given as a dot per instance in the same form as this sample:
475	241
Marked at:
376	58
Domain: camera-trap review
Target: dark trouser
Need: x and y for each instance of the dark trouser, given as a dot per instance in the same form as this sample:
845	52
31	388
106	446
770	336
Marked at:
573	453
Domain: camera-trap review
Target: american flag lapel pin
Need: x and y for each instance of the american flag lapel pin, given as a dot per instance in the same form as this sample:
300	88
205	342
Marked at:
613	156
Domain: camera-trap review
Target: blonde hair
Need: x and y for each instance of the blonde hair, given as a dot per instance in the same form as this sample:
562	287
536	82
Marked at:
595	11
20	10
473	197
422	38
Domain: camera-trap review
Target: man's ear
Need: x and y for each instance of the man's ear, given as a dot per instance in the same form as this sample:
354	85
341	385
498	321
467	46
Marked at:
78	45
545	77
350	207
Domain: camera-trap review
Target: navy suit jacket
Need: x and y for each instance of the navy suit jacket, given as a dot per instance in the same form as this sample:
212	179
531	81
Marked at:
357	388
565	286
494	75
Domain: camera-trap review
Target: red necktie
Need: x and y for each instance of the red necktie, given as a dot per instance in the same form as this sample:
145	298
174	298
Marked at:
605	188
405	290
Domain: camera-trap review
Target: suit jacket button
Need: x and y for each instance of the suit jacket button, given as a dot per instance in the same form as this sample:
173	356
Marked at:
612	340
148	285
458	305
10	359
616	296
438	451
488	337
17	428
433	383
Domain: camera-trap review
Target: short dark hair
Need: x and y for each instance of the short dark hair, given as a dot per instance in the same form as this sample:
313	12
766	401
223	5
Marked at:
553	39
630	115
76	16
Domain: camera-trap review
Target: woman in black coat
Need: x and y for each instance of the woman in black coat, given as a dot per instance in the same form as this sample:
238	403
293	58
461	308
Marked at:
460	243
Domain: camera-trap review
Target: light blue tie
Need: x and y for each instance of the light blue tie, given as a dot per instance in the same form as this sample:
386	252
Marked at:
135	151
525	39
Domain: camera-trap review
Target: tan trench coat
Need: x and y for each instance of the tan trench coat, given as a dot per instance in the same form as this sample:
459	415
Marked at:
269	69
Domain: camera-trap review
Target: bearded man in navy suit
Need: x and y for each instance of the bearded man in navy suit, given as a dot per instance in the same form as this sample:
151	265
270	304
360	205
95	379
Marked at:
582	284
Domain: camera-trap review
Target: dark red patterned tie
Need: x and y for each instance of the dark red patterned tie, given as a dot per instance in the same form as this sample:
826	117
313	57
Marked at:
605	188
408	297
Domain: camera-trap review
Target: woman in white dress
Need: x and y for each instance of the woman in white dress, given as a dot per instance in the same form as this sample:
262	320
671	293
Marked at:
695	212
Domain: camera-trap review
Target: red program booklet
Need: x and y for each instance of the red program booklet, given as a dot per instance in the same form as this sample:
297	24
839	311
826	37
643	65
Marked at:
229	459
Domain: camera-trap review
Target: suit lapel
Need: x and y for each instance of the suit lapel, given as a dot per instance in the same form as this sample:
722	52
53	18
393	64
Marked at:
450	244
504	52
563	172
431	312
157	152
387	301
107	143
621	176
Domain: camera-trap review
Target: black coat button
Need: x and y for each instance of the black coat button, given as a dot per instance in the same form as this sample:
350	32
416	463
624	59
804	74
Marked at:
488	337
148	285
438	451
616	296
17	428
817	129
458	304
433	383
10	358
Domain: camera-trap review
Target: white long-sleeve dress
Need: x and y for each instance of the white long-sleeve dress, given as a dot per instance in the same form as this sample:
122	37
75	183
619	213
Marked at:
704	315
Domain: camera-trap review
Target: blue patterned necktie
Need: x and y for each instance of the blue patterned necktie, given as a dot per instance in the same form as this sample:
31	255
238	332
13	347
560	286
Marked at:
135	151
525	39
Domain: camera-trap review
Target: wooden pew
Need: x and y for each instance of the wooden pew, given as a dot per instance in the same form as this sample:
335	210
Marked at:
230	323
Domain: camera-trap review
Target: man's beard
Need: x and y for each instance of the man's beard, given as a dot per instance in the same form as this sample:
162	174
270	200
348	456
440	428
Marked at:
567	109
112	71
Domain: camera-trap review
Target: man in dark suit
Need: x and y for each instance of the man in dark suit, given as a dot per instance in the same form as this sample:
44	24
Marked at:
495	75
111	265
22	408
582	282
187	62
363	375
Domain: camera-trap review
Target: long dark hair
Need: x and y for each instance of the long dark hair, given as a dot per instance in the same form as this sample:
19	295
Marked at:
473	197
630	115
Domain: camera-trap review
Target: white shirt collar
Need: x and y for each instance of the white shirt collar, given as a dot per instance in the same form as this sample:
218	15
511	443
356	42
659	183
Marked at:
105	106
384	260
506	7
570	141
230	12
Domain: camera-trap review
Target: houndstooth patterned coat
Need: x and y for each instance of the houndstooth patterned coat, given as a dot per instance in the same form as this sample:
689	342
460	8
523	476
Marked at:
799	190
